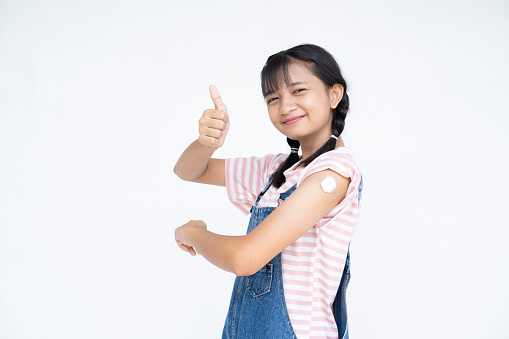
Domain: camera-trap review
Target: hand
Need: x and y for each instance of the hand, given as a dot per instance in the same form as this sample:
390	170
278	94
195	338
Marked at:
180	235
214	123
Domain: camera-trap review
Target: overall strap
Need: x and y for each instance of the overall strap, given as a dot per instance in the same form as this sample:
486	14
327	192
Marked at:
263	191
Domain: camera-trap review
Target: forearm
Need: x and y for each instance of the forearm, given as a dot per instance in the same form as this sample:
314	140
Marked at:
194	161
222	251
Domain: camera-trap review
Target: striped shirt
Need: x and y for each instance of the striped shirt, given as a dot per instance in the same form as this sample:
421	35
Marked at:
313	264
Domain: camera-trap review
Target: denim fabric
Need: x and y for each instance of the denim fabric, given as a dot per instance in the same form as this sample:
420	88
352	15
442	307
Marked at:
257	305
339	304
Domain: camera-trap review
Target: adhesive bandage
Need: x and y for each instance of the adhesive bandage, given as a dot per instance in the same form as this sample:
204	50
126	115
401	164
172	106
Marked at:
328	184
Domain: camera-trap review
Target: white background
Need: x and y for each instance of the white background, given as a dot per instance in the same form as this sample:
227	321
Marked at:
99	98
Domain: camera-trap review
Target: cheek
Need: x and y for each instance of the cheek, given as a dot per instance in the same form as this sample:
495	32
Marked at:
273	115
323	106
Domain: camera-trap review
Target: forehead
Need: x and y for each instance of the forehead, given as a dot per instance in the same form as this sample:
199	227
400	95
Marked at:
299	72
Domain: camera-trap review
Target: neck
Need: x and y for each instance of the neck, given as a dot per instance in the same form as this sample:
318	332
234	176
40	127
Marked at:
308	148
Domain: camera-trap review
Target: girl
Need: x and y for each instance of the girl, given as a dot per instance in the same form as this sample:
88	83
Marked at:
292	266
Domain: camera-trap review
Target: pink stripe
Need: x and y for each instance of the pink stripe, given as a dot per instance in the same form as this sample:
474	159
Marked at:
308	254
323	299
240	175
299	244
351	214
299	312
292	286
324	328
248	186
311	234
299	283
341	167
328	286
255	177
335	238
236	183
327	320
296	272
289	291
290	301
301	322
328	266
317	270
333	258
319	337
310	264
323	308
345	222
330	277
327	295
227	178
296	263
345	232
339	250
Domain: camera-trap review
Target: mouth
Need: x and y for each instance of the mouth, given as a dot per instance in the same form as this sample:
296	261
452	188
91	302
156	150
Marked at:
293	120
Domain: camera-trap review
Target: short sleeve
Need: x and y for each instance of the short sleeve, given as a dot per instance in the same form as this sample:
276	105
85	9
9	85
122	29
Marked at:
246	177
344	163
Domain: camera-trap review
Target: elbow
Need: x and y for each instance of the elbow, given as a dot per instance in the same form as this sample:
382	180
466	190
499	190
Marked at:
243	265
179	173
242	270
176	171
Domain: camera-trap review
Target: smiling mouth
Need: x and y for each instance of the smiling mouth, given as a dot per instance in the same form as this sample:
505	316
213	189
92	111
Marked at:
293	120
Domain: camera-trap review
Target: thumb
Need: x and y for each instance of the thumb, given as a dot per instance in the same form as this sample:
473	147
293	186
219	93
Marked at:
216	98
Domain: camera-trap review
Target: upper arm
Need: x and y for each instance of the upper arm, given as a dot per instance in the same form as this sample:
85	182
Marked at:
214	174
304	208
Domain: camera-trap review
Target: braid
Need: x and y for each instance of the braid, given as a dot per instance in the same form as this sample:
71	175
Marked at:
279	177
338	121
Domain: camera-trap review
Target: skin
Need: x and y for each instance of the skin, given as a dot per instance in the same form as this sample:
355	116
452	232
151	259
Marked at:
301	111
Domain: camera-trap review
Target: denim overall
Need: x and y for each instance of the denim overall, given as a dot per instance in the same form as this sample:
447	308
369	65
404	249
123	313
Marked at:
258	306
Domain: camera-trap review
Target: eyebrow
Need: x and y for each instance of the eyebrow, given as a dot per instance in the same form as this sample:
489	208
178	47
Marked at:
296	83
292	84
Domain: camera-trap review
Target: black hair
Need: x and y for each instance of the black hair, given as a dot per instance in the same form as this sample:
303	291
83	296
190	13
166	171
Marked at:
323	65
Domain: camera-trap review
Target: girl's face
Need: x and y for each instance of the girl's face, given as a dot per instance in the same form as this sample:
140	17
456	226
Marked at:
302	110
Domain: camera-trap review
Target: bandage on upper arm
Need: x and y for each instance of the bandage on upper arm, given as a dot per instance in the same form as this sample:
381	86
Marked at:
328	184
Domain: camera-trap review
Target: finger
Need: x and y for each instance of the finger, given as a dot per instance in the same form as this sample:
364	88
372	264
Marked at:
214	119
216	98
211	132
188	249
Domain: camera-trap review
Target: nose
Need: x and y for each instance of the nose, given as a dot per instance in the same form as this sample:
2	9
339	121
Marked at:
288	105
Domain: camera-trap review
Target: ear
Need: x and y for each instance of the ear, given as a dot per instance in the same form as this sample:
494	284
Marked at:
335	95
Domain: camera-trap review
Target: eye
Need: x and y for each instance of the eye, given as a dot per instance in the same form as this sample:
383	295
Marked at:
299	90
270	100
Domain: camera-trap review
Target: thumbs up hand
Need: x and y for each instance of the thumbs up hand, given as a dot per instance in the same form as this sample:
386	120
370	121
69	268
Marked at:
214	123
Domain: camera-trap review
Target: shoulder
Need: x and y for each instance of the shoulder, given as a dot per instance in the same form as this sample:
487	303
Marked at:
341	160
340	164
